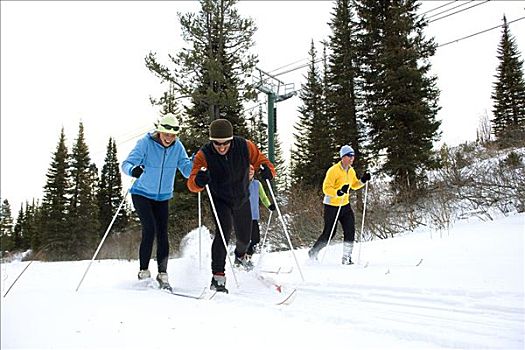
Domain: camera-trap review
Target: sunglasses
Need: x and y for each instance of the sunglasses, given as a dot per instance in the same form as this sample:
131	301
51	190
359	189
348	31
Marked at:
225	143
170	127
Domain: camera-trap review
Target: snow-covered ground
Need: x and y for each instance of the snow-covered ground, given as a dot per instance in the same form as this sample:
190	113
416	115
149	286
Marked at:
419	291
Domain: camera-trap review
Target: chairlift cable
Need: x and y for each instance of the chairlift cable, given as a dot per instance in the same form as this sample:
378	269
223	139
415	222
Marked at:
453	13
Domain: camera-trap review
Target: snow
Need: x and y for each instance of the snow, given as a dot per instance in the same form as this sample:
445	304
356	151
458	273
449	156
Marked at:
466	293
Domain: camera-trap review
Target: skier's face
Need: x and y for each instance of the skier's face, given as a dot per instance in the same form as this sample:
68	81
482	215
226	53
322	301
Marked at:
347	161
166	139
222	147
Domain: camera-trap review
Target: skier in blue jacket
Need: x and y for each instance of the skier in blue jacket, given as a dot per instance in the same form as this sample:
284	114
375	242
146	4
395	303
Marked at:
154	162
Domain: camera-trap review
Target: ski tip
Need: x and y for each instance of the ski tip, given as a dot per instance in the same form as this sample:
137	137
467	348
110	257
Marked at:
289	298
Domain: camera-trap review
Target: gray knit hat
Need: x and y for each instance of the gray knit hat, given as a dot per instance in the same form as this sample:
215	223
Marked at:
221	130
346	151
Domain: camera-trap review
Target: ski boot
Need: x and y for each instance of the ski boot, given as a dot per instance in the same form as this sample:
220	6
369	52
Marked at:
144	274
347	260
162	278
244	262
312	254
218	282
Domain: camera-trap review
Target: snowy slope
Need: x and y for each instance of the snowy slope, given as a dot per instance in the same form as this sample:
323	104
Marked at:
466	293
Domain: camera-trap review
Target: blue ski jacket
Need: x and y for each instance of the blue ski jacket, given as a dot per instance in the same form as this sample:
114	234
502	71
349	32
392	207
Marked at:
160	166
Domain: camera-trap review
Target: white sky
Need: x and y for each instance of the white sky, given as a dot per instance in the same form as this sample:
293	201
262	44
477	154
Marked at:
461	290
62	62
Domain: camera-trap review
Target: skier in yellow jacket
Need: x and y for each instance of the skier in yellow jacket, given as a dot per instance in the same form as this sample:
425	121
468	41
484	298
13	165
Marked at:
339	179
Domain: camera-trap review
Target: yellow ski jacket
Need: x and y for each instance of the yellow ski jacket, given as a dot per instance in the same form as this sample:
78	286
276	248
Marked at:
335	178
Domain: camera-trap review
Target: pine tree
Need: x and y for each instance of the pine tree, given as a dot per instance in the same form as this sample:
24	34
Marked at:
110	191
281	181
55	233
84	225
214	71
509	91
259	131
28	230
304	154
18	235
401	97
341	82
322	142
31	226
6	227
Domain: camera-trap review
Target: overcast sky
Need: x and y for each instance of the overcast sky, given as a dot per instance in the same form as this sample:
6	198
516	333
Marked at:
62	62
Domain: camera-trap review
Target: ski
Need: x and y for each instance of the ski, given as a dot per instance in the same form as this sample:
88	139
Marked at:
416	265
150	283
214	293
186	295
278	270
270	283
288	299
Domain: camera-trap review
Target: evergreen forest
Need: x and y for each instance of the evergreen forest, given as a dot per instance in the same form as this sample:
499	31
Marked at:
367	85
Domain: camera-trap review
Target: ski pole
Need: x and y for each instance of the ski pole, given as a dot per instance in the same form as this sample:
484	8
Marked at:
27	266
333	228
362	225
264	240
284	228
222	233
16	279
104	238
200	227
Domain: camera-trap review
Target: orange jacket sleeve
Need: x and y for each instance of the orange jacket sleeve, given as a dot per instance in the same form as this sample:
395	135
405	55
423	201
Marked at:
257	158
198	162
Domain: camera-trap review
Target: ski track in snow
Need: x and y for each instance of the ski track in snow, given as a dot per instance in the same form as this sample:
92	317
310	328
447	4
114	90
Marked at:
425	314
463	301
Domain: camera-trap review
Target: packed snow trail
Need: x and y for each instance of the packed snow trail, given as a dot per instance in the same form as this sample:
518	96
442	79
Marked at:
467	293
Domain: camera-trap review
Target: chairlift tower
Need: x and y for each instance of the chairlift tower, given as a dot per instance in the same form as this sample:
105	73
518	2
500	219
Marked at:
276	91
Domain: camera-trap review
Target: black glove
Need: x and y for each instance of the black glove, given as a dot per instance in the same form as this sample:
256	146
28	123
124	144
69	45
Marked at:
343	190
137	171
266	173
365	177
271	207
202	178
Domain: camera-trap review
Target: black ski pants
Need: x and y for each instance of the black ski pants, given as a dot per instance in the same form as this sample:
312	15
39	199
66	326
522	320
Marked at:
230	218
153	217
255	237
347	220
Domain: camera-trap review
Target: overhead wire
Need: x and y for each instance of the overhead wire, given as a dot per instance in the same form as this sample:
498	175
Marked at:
435	20
480	32
286	65
320	59
119	142
437	8
450	9
453	13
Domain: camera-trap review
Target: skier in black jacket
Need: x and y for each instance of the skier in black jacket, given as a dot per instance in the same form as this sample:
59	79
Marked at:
223	164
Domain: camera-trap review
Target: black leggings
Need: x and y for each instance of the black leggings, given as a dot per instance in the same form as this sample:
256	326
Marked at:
347	220
240	219
255	238
153	216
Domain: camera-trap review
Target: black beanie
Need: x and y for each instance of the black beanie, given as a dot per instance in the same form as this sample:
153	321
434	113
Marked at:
221	130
